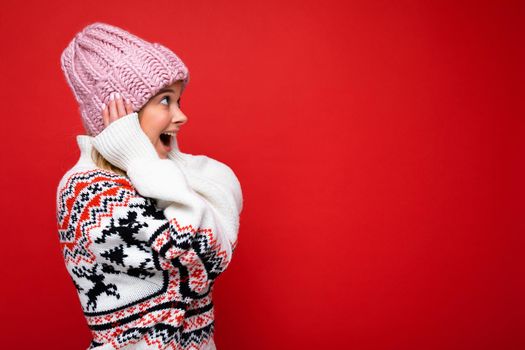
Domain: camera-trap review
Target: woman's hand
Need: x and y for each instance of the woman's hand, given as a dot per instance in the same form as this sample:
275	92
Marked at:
116	109
122	142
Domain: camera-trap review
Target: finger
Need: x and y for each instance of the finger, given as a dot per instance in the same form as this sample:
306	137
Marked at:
113	114
105	114
129	107
121	110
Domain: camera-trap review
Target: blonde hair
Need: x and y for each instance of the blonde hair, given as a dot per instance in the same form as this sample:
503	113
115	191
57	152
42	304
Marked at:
103	163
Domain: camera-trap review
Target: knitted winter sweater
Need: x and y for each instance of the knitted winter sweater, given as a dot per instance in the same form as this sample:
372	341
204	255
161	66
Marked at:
144	250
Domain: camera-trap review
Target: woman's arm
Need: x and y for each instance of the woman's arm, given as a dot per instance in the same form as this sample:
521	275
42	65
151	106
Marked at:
217	184
124	144
212	170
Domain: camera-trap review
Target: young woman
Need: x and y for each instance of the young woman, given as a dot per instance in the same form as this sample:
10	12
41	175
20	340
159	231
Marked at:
145	229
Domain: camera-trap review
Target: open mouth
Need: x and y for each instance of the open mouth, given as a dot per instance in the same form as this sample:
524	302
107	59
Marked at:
165	139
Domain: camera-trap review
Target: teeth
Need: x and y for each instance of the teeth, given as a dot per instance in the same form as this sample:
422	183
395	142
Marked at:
169	133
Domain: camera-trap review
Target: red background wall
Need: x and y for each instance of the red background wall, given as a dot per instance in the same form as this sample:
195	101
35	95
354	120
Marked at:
379	145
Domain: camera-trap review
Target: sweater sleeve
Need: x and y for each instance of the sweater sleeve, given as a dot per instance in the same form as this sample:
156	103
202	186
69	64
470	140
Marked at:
195	233
217	184
212	170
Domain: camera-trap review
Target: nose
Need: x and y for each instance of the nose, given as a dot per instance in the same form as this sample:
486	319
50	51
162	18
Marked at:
179	117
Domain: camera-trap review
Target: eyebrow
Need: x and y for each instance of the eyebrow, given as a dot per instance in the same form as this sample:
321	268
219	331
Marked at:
165	90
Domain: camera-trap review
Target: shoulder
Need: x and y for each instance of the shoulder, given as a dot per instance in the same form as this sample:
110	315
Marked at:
78	178
89	183
84	195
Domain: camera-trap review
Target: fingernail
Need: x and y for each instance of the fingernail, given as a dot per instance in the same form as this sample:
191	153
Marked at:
117	95
112	96
128	101
103	106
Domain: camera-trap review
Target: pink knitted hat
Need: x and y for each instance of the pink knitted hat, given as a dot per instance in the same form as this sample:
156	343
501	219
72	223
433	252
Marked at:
102	59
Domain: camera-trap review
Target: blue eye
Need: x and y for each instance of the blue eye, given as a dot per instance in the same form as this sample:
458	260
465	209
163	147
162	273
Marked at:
168	98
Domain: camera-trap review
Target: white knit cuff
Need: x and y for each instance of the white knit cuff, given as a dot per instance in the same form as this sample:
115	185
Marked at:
124	141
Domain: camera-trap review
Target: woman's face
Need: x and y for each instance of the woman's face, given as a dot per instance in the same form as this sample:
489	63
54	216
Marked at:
162	114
